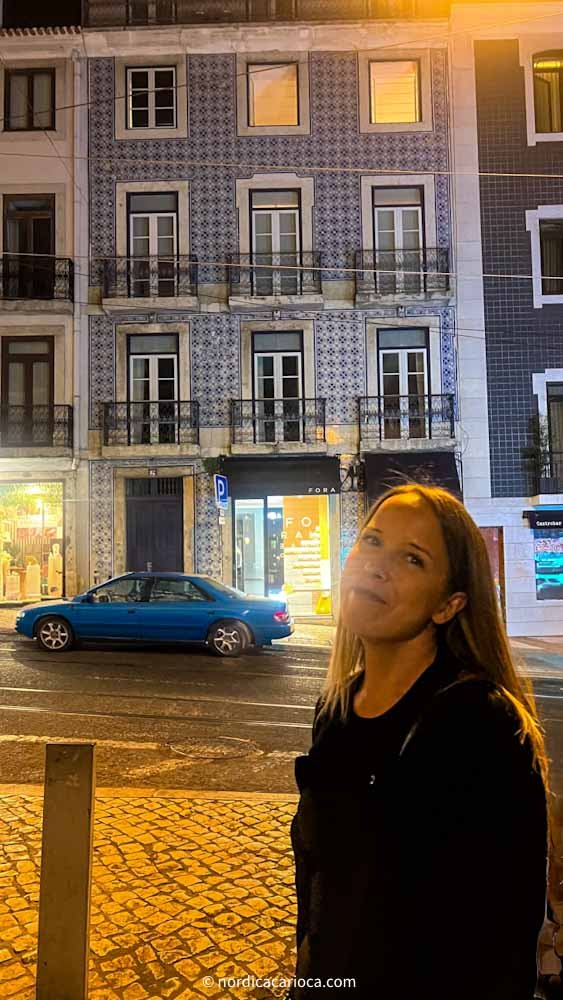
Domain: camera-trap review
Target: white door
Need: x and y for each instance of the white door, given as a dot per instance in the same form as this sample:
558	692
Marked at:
403	379
278	393
276	246
398	244
153	239
153	384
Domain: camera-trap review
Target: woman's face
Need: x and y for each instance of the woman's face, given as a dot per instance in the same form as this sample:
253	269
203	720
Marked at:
395	578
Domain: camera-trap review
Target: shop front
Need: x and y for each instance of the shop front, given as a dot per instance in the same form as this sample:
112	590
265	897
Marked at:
32	541
547	526
286	530
385	469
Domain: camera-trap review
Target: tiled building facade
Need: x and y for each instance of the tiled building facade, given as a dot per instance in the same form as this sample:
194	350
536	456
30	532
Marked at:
342	174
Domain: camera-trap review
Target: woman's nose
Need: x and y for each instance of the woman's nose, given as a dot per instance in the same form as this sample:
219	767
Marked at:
373	568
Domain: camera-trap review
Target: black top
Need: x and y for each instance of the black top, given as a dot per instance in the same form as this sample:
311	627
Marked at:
424	875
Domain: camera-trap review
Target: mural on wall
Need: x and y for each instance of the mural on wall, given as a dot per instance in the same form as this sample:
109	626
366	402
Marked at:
548	558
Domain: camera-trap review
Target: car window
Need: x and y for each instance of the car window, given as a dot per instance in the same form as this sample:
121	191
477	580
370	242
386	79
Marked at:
131	588
176	590
223	588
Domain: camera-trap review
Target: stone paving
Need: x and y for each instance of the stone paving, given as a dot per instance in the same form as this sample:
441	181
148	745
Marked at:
185	886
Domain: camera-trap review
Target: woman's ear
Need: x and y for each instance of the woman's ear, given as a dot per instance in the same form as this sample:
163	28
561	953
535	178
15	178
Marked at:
450	609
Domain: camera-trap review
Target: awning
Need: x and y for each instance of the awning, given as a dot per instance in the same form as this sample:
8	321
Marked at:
433	468
305	475
546	518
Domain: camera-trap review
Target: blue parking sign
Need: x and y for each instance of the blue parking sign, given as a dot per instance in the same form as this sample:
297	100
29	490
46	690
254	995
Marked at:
221	491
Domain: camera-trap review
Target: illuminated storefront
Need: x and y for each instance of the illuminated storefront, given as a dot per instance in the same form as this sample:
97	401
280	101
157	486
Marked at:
32	541
547	526
285	543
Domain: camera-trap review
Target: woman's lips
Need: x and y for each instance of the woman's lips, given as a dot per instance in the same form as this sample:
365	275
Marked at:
369	594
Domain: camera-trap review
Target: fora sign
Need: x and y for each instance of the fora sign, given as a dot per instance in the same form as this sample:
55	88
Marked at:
321	490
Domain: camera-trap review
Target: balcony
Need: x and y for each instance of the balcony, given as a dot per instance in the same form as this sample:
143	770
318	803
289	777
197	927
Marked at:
278	422
150	424
547	471
36	278
164	281
288	279
122	13
405	418
35	427
409	273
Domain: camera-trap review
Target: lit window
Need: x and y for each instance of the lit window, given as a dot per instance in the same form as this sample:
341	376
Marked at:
551	240
548	92
273	94
394	92
151	98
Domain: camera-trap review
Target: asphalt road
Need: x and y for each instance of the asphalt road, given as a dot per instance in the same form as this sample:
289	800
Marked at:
176	718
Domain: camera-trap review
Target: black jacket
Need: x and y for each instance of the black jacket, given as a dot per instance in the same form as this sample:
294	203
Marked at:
427	879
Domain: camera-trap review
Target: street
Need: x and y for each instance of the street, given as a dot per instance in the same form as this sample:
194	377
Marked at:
181	718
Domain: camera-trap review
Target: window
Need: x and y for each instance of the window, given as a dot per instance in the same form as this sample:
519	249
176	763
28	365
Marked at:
273	94
176	590
153	244
29	100
278	386
153	389
551	242
548	92
29	245
129	589
276	242
151	98
395	92
403	382
399	240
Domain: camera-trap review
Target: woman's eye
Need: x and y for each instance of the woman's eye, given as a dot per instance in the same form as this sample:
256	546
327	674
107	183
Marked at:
416	559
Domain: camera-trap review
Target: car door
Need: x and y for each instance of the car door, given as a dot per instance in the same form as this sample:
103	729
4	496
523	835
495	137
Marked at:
177	611
112	611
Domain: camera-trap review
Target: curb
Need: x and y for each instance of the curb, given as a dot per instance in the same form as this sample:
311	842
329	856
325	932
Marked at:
37	791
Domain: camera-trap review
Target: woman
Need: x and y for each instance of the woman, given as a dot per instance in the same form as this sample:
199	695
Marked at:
421	835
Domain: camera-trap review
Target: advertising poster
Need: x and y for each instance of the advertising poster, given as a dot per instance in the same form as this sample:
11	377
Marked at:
548	557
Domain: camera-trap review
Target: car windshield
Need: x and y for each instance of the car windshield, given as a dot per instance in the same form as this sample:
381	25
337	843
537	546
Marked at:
223	588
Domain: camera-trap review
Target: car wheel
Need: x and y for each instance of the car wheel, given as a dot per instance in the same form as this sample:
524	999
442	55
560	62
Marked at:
228	638
54	634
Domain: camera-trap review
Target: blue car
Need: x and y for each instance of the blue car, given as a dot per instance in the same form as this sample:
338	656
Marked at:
159	607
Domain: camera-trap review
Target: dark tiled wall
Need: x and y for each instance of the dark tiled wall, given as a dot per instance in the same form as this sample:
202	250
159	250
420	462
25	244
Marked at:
520	339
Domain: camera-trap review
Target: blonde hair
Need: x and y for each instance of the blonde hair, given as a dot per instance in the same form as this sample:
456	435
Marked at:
475	636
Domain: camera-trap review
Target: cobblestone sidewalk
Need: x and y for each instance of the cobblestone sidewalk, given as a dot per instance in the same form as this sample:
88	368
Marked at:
185	886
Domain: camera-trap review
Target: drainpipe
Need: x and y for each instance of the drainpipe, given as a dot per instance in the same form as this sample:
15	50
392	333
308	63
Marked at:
80	313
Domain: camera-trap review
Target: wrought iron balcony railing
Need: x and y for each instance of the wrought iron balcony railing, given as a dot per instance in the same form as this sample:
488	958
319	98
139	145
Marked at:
277	421
26	276
402	272
547	467
118	13
35	426
151	423
393	418
150	277
259	275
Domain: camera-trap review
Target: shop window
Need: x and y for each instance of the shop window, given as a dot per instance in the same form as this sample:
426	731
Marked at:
32	553
273	94
29	102
548	92
395	92
283	551
548	559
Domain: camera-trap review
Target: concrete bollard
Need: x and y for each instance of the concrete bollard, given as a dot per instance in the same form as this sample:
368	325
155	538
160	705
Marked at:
66	866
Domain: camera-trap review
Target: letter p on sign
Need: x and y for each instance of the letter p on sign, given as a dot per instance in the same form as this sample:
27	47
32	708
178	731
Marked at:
221	492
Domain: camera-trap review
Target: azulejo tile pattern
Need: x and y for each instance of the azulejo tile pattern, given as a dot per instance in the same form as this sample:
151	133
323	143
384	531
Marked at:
352	512
102	366
215	366
101	520
208	544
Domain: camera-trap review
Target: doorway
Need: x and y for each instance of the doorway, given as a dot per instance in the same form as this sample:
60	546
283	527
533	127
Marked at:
27	396
29	245
154	525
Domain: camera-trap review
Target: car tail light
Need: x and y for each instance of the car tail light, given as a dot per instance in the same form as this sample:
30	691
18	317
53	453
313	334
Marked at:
282	617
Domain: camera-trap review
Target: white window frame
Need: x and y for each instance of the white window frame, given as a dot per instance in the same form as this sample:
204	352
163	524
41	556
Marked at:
154	278
121	113
278	378
277	273
530	46
151	93
423	57
403	353
301	59
398	230
533	219
153	376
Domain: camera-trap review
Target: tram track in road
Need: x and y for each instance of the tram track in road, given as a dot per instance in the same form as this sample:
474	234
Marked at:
150	717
